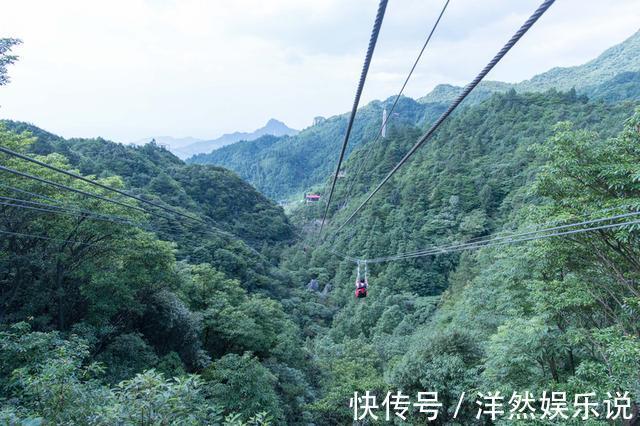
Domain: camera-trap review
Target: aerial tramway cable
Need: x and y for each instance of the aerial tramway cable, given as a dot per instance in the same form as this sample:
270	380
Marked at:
210	228
110	188
60	202
395	102
363	76
48	208
446	250
42	237
514	39
100	197
508	239
33	194
42	207
71	189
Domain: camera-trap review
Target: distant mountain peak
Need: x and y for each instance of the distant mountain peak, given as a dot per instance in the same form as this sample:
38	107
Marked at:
276	128
187	147
274	122
272	127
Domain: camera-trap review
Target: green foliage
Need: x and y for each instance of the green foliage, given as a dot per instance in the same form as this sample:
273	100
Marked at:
230	200
127	355
150	399
6	44
234	321
242	384
555	314
353	366
445	362
135	306
171	365
622	87
56	386
61	390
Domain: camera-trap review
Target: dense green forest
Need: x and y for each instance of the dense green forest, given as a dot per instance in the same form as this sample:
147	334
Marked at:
110	315
134	292
556	314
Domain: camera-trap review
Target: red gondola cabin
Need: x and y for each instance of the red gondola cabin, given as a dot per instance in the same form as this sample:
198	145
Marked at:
312	198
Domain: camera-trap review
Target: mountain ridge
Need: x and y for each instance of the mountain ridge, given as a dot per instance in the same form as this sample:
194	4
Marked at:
584	78
288	166
188	146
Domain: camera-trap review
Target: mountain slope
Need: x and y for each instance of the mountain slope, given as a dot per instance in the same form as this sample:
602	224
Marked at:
461	185
503	318
213	192
586	78
288	166
280	167
613	61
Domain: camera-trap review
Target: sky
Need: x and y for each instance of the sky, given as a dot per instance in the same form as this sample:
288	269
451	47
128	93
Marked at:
131	69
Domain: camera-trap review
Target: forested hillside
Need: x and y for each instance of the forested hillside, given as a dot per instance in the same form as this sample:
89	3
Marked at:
556	314
211	191
286	166
102	306
99	317
280	167
587	79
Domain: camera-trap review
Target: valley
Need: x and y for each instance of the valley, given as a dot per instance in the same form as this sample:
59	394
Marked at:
115	311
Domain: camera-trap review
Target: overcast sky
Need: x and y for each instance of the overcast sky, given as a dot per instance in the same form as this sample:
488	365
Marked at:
128	69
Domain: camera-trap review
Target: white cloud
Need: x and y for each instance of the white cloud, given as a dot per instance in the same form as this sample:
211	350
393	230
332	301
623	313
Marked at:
126	69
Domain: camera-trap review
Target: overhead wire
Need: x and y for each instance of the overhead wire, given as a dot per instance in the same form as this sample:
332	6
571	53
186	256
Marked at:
33	194
517	237
37	195
342	255
395	102
85	213
512	41
75	190
98	184
99	217
116	190
70	212
555	228
494	240
42	237
102	198
61	204
382	6
548	223
209	229
510	241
